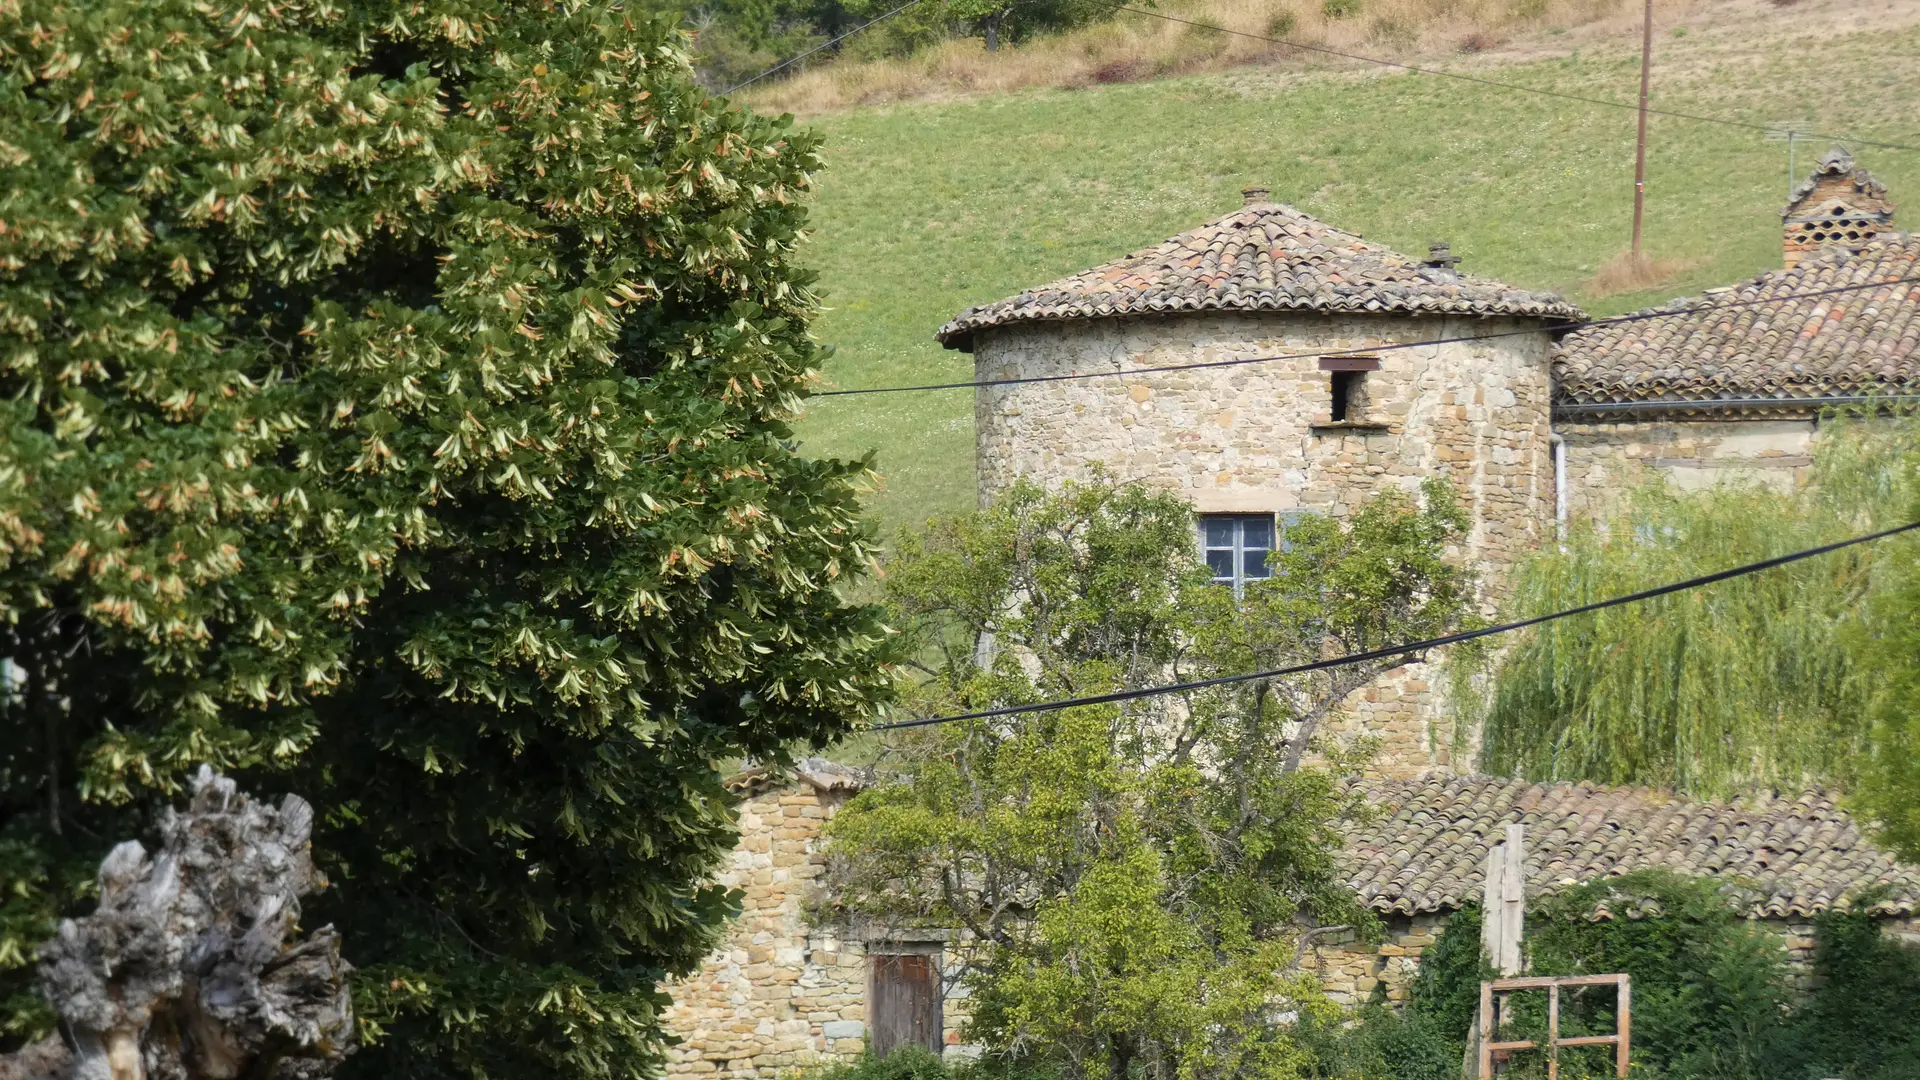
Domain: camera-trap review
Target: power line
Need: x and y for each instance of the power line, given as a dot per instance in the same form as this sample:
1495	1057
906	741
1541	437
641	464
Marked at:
792	60
1399	650
1642	316
1497	83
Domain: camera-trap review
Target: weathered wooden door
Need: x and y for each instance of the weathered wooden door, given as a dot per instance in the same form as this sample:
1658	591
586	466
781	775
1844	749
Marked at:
903	1001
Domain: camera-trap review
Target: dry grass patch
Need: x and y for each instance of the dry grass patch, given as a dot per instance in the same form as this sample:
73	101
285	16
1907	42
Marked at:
1133	46
1630	272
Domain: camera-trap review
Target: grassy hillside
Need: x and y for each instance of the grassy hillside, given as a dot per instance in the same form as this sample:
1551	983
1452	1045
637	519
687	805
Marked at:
927	208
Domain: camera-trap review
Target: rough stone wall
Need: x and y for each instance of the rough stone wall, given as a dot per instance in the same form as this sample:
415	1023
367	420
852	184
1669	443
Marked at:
782	992
1258	438
1605	460
1352	972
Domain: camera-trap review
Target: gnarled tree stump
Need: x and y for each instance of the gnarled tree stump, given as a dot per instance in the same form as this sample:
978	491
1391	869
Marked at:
186	971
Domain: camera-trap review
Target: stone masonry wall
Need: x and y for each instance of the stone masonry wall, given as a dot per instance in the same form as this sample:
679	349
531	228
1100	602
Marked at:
781	993
1258	438
1352	972
1604	460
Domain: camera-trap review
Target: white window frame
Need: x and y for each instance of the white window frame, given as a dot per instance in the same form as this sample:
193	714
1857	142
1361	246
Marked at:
1239	578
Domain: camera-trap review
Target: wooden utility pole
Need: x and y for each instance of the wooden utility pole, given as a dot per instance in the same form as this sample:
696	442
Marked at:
1504	905
1503	913
1640	144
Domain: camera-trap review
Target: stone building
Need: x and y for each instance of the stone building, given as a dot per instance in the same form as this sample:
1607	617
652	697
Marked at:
1734	382
1261	368
796	984
1267	365
793	984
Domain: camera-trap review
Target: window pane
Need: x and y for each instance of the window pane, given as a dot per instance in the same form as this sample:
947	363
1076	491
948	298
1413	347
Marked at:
1219	531
1255	563
1221	563
1258	532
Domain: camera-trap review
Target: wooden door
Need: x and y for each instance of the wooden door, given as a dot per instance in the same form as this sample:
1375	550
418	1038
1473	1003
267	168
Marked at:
903	1001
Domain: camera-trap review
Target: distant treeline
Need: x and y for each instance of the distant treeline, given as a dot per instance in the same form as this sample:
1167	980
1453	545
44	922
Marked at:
736	39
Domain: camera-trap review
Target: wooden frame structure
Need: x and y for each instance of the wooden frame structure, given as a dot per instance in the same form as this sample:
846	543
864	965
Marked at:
1620	1040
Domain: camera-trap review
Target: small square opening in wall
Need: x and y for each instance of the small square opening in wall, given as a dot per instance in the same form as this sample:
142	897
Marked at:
1346	395
1347	379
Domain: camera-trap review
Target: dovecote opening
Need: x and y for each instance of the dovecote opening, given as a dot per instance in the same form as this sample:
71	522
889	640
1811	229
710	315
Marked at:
1348	386
1839	205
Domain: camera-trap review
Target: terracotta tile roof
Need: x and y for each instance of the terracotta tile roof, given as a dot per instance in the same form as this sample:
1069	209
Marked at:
1844	344
1778	855
1264	256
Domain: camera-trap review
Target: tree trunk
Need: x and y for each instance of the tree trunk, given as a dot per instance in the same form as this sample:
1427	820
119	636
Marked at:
185	971
993	31
1122	1058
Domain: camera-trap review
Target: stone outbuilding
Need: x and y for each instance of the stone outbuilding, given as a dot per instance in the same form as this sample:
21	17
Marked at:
1734	382
796	984
793	985
1783	859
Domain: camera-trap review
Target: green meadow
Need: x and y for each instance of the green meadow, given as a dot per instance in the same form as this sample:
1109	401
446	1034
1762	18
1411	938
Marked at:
927	208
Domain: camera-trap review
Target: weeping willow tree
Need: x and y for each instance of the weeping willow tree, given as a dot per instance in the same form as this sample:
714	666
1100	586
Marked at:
1766	679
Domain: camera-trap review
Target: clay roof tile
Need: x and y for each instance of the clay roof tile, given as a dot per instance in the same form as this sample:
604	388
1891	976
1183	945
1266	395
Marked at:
1845	344
1264	256
1796	855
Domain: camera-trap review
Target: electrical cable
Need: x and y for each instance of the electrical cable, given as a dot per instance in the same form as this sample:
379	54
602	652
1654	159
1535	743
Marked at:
828	44
1502	85
1641	316
1399	650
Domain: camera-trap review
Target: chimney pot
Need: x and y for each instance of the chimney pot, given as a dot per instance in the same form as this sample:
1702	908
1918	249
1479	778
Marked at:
1440	256
1254	195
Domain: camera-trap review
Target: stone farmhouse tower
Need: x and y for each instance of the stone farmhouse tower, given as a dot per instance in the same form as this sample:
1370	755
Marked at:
1838	206
1331	413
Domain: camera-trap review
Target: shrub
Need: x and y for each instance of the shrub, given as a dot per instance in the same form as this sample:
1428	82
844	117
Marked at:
1863	1019
1712	997
905	1063
1378	1042
917	1063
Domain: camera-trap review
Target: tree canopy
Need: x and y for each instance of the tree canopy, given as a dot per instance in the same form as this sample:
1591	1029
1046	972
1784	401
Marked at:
1797	675
1138	879
396	402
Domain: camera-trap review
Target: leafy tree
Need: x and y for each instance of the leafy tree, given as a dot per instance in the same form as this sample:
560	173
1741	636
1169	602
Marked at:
1762	679
992	20
1138	879
396	403
1887	643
